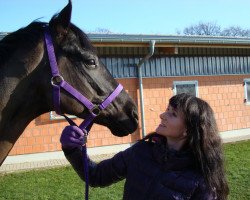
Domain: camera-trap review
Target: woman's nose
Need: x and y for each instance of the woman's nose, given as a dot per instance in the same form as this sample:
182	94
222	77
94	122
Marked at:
163	115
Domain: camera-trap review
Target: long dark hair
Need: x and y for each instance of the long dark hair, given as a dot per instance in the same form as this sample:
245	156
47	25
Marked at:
204	141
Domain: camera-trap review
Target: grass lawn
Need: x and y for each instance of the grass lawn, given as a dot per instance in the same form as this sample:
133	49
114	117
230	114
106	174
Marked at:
238	169
64	184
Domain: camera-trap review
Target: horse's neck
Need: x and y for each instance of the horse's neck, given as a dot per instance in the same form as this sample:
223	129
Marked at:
20	101
17	91
18	105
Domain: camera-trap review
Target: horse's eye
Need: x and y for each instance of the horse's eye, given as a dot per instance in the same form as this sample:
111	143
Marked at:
90	63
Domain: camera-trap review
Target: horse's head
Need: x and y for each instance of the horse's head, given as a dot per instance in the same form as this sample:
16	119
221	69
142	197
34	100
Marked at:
79	65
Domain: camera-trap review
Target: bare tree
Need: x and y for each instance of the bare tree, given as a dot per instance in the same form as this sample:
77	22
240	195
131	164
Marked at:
236	31
211	28
203	28
101	30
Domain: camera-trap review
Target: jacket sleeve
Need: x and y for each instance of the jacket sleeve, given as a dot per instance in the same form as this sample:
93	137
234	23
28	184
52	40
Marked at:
100	174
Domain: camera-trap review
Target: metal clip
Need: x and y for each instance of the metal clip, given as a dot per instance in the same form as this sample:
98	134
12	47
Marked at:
56	80
85	139
95	110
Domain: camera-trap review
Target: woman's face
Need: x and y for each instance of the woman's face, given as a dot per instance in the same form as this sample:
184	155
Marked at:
172	124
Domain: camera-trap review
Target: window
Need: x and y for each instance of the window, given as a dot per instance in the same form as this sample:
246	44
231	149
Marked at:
189	87
54	116
247	90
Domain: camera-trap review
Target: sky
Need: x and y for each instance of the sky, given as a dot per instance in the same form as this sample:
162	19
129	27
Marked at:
164	17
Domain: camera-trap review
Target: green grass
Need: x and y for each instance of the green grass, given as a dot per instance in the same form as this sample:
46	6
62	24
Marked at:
61	183
238	169
64	184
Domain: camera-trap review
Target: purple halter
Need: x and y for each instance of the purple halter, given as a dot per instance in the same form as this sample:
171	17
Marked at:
58	82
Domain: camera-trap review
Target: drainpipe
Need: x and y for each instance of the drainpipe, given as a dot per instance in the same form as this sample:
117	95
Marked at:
152	48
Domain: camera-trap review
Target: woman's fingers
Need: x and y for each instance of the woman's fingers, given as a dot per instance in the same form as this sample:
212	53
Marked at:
77	130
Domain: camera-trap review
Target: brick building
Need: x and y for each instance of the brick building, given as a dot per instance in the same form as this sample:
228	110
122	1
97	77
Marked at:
152	68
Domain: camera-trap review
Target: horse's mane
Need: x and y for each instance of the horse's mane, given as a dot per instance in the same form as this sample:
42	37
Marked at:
30	36
27	37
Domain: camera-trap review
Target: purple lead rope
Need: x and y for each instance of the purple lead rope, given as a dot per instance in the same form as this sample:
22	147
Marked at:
84	154
94	110
86	170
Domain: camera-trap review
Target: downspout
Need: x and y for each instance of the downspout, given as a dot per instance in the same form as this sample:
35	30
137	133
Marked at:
152	48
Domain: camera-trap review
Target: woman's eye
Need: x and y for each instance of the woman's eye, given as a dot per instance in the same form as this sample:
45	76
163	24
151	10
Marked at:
172	114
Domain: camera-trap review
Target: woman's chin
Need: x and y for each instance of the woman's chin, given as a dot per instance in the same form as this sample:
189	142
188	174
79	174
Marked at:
158	130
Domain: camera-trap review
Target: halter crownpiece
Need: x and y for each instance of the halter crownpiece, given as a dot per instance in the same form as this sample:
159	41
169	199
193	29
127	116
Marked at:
58	82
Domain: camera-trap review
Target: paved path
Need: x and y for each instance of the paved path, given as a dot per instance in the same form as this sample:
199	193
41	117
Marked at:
52	163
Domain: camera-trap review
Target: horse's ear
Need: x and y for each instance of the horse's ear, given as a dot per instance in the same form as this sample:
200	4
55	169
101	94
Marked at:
61	22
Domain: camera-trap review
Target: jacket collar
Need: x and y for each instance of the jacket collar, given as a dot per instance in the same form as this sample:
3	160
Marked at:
171	159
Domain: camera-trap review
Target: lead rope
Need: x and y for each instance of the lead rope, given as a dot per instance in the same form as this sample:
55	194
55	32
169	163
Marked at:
57	83
84	151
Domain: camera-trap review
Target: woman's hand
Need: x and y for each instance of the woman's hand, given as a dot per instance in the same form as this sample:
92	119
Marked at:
72	137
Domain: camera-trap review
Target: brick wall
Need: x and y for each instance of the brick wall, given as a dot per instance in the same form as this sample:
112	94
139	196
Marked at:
224	93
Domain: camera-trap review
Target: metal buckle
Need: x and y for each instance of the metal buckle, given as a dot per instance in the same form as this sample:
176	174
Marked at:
56	80
95	110
85	138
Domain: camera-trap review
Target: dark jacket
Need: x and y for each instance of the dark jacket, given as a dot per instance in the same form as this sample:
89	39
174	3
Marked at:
152	171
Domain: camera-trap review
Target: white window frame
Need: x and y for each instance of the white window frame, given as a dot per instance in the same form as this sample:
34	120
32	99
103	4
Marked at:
247	80
54	116
186	83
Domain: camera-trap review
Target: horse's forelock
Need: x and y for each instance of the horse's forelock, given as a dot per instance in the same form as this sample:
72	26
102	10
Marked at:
83	38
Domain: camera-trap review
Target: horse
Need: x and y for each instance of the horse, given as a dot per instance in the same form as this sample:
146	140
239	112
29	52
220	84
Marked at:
25	80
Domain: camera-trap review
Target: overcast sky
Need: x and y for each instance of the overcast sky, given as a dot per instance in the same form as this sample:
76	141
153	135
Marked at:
129	16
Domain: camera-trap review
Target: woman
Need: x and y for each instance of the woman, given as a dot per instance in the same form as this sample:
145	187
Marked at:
183	159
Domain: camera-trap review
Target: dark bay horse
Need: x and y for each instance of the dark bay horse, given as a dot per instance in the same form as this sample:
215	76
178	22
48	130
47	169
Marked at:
25	89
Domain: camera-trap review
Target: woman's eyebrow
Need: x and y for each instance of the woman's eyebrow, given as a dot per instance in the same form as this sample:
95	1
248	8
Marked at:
178	112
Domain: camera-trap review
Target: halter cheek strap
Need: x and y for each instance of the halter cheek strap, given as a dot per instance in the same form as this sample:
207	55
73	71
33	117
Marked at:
59	83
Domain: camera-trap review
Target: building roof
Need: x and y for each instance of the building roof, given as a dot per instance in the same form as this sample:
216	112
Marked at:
168	40
164	40
200	56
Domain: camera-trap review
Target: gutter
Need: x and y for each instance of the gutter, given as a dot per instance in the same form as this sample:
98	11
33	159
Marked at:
141	62
170	39
165	39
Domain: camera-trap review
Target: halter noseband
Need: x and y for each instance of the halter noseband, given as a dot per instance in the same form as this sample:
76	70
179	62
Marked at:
58	82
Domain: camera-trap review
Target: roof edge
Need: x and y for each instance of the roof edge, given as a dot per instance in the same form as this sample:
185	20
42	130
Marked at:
164	40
